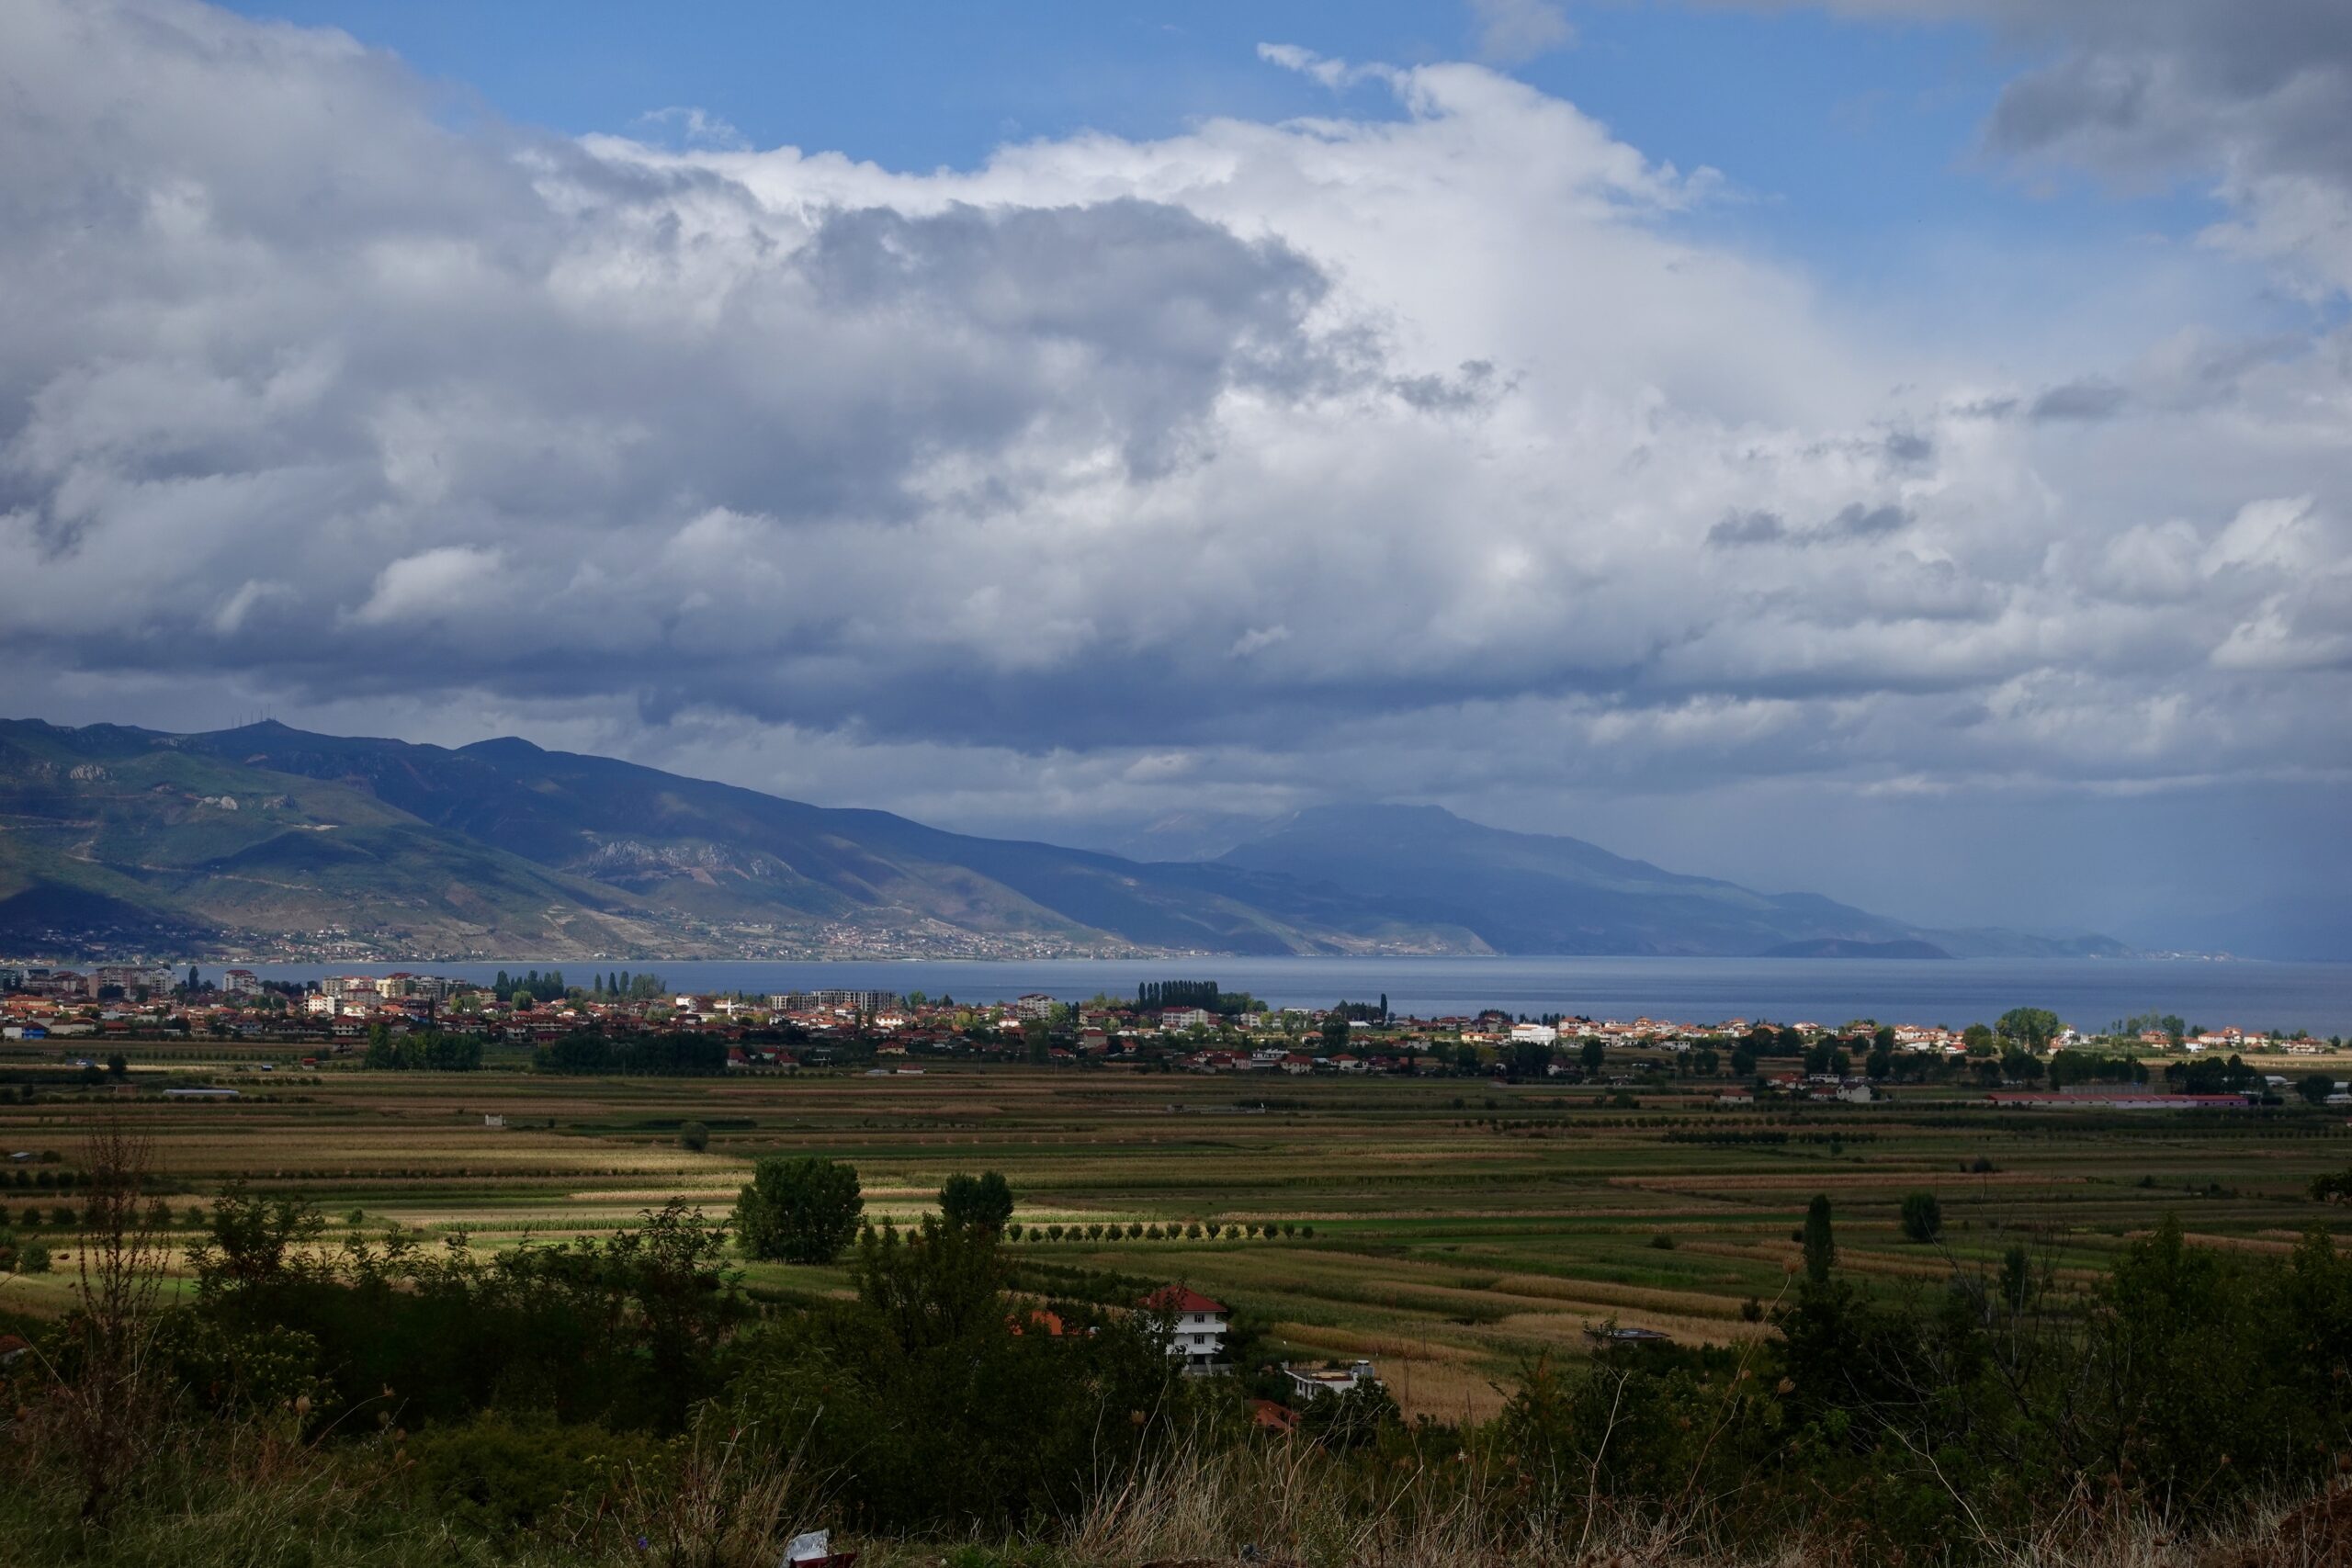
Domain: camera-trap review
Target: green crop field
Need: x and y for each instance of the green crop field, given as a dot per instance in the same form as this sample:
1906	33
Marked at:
1450	1229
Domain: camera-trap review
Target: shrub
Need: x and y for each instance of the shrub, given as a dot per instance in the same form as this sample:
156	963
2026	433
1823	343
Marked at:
693	1136
500	1476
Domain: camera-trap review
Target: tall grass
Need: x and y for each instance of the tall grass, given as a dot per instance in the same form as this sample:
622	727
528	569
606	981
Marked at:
252	1495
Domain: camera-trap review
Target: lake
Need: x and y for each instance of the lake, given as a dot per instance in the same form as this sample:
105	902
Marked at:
2088	993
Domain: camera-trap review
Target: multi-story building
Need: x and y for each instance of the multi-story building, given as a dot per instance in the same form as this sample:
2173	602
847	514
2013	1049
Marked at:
131	978
834	1001
1196	1324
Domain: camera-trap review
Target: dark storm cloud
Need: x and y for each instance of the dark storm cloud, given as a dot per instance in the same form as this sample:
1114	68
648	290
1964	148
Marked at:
2155	83
1853	520
2244	97
2079	400
1748	529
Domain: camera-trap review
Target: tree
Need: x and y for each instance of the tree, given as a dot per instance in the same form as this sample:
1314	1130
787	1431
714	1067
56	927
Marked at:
1923	1217
694	1135
1978	1039
1820	1246
2332	1188
938	1286
1593	1053
977	1202
2033	1027
802	1210
111	1408
1335	1030
2315	1087
118	1065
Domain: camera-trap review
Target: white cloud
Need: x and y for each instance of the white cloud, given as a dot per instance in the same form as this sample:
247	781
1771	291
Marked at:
433	585
1437	441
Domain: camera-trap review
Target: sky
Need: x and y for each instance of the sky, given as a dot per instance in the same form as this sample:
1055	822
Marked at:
1894	448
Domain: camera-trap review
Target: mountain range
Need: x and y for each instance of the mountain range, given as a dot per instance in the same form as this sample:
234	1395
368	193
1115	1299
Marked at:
265	839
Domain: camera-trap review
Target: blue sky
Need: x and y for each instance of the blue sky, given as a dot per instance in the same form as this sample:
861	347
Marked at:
1099	419
1849	142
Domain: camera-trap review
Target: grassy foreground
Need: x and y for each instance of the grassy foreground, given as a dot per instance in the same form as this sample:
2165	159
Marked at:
249	1497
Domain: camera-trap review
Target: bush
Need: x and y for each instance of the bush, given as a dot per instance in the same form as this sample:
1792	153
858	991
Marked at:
802	1210
1923	1217
501	1477
693	1136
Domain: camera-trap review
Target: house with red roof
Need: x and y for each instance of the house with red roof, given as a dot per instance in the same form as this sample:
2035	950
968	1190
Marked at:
1196	1324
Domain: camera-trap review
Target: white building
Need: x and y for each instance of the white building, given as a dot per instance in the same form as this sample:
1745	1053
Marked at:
1534	1033
1313	1383
1196	1324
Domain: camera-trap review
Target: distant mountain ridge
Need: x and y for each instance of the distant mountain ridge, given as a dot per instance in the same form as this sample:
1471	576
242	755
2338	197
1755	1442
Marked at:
1533	892
269	836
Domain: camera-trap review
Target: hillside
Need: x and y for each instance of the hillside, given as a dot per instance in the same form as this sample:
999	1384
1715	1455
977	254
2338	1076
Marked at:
268	838
1533	892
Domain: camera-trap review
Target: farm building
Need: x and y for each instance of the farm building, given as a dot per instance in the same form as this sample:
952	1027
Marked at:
1313	1383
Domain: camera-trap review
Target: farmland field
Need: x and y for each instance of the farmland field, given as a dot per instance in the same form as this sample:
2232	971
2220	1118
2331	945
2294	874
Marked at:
1450	1228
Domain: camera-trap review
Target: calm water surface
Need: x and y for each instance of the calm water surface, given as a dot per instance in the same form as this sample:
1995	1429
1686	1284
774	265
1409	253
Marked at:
2086	992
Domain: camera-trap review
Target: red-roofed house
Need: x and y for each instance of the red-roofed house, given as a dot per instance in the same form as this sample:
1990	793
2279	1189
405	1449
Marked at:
1196	1324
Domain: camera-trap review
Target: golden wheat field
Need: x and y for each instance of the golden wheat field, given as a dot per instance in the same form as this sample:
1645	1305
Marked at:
1450	1229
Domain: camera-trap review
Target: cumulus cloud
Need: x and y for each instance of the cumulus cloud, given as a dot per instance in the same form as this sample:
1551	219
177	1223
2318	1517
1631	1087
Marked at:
1434	441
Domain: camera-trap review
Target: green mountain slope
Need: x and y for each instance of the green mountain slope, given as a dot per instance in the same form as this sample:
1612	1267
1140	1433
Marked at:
207	848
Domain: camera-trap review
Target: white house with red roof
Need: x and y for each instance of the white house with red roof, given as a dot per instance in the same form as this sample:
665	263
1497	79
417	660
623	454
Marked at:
1196	1324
